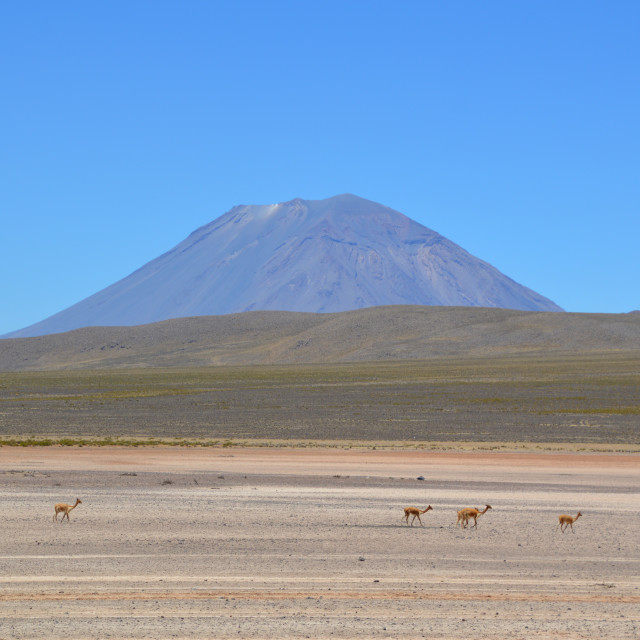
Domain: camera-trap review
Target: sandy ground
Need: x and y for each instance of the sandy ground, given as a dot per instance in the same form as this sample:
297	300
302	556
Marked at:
260	543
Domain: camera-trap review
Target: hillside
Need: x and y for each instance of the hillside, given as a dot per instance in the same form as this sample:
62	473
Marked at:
372	334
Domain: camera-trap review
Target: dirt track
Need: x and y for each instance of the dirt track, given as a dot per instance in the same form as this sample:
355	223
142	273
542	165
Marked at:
260	543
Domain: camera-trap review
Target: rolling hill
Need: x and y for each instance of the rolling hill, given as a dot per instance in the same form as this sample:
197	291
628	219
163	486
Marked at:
371	334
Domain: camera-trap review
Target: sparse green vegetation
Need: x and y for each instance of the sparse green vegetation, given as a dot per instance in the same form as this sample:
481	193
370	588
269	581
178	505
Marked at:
325	444
620	411
589	398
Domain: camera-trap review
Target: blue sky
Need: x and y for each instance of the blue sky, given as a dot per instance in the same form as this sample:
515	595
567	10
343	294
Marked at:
512	128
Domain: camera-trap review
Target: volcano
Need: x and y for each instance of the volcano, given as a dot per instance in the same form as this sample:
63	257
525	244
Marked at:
319	256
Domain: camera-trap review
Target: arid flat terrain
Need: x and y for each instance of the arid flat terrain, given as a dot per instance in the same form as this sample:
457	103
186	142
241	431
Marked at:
288	543
582	398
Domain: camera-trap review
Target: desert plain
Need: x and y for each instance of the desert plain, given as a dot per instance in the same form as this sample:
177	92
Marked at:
267	501
261	542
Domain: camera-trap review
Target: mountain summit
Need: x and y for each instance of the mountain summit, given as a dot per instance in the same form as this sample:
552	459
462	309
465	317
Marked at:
329	255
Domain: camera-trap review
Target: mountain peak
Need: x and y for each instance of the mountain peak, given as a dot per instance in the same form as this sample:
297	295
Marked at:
336	254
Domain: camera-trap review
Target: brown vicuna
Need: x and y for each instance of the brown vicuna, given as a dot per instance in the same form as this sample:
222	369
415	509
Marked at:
64	508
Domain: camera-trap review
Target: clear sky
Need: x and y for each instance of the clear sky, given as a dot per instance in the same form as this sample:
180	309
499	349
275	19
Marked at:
512	128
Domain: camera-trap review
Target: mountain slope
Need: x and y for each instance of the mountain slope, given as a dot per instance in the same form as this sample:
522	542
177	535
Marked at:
372	334
317	256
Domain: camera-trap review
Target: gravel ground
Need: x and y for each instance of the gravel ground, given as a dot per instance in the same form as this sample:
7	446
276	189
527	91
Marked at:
251	543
